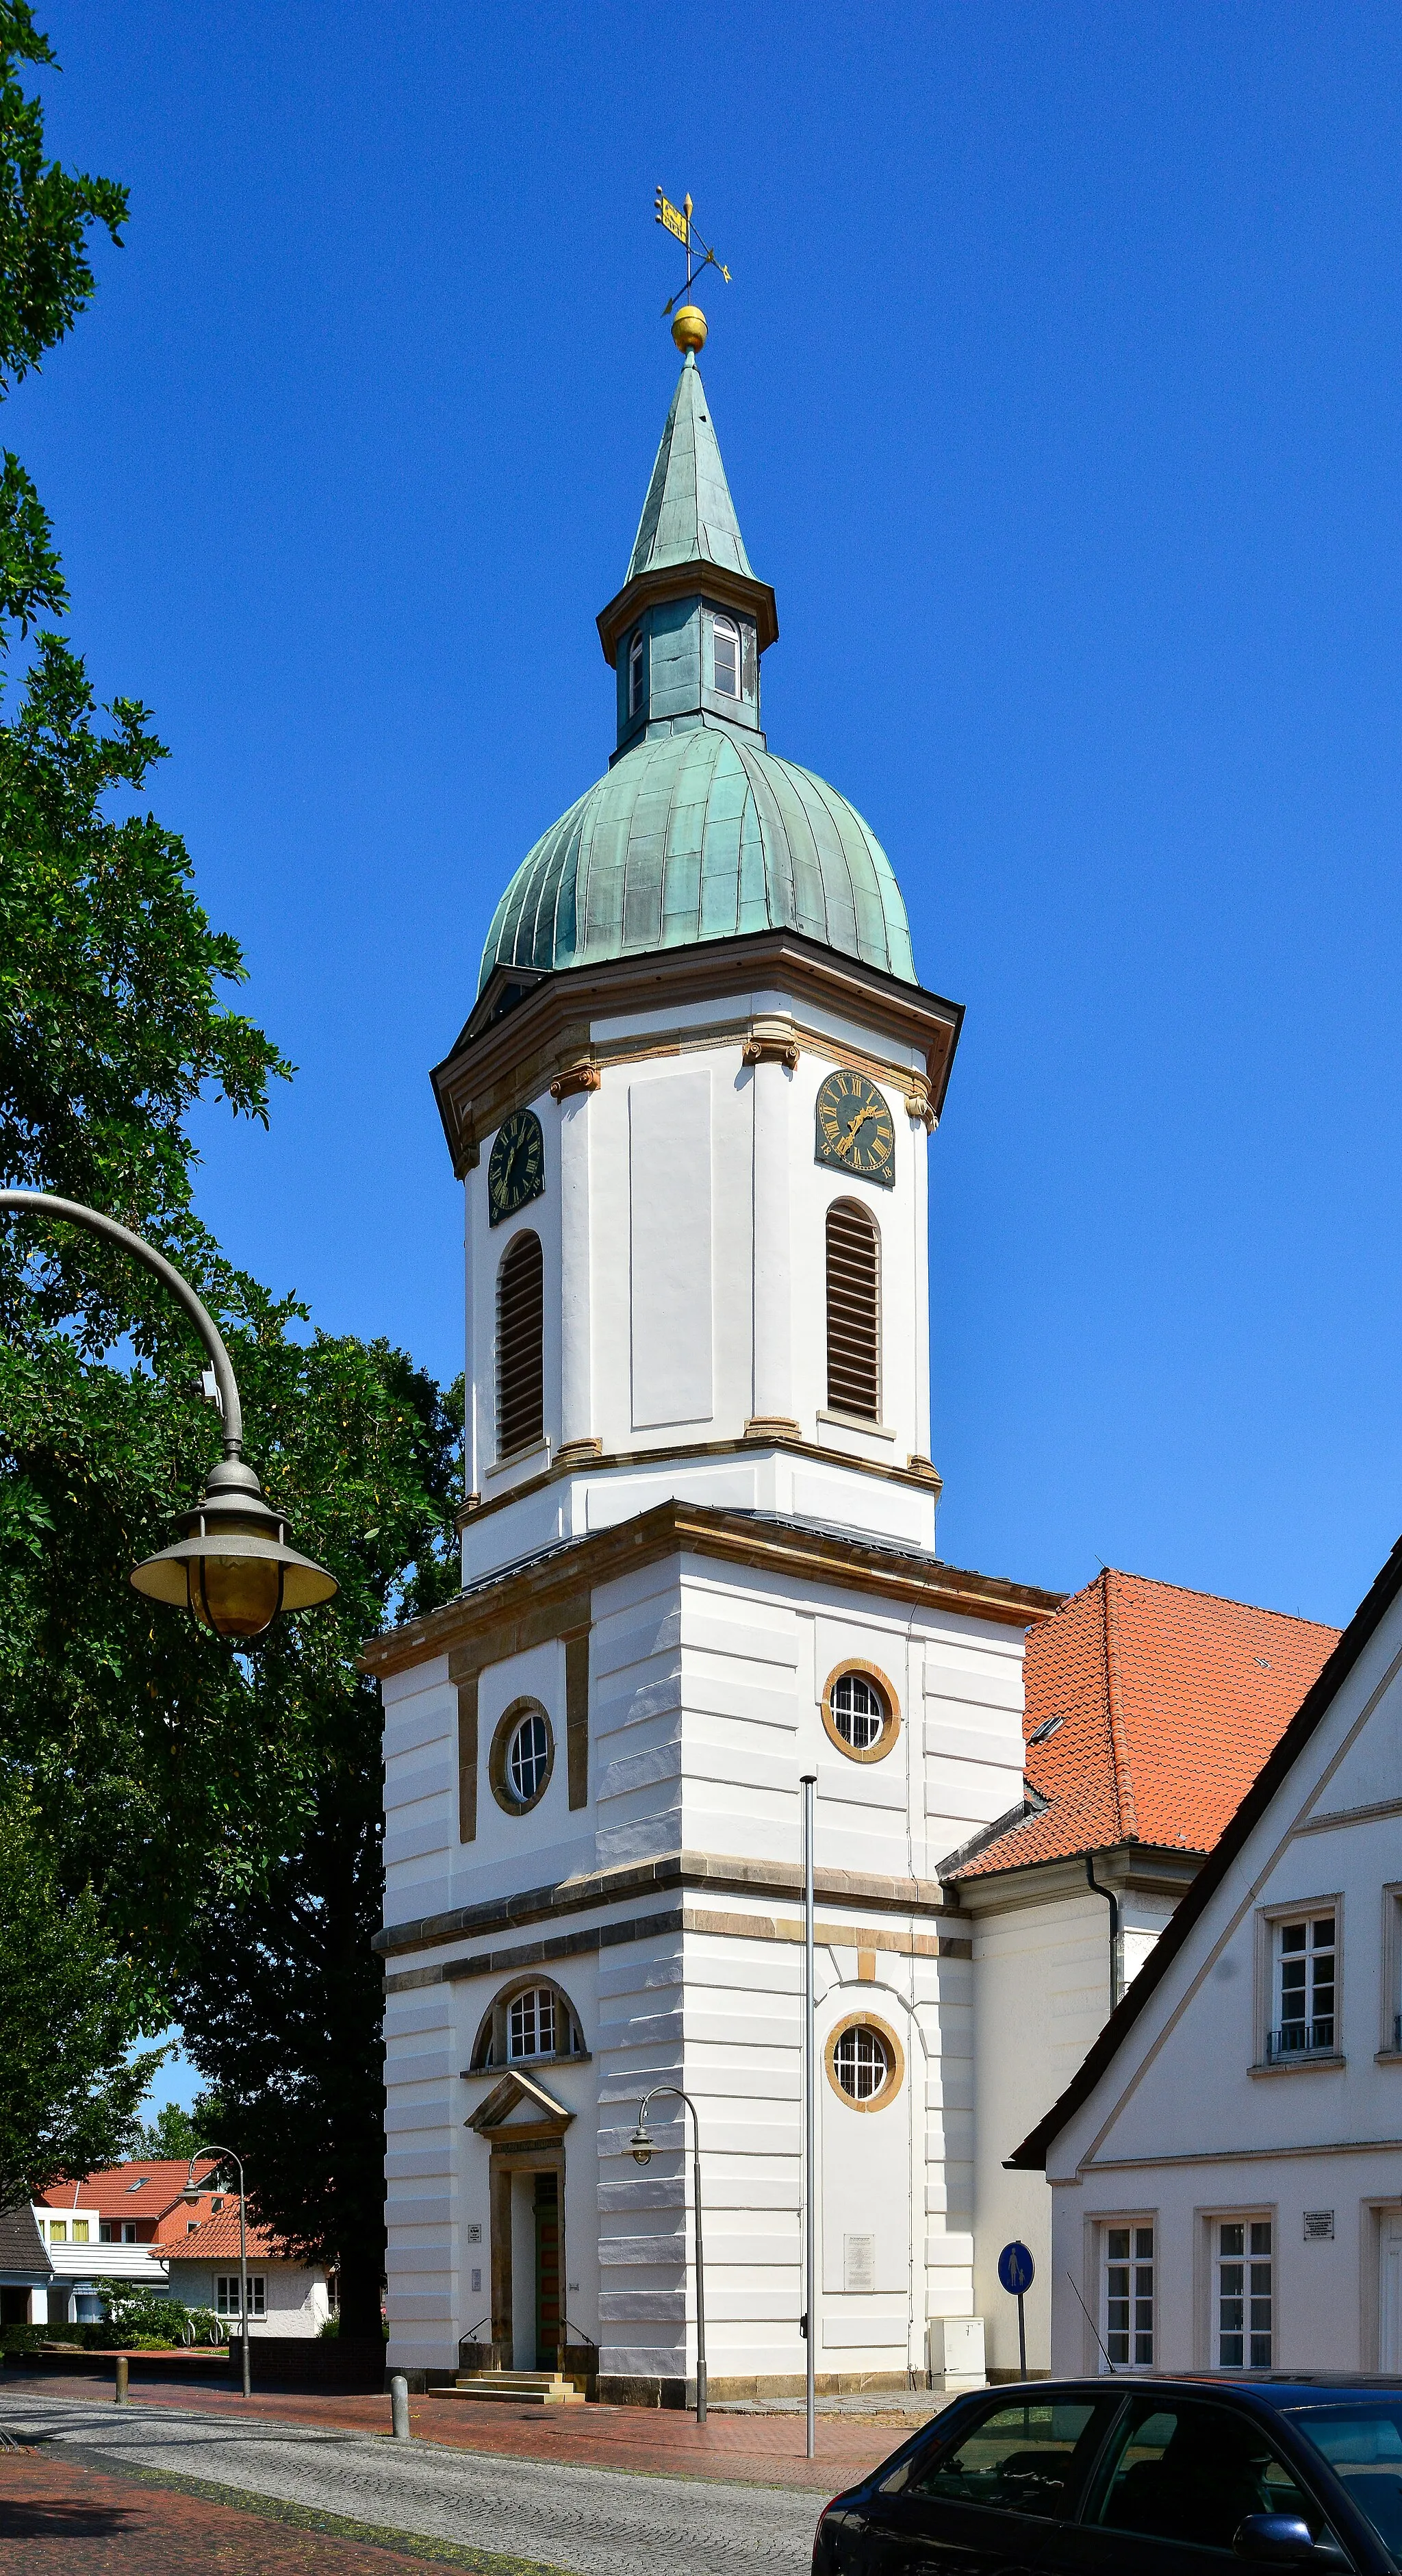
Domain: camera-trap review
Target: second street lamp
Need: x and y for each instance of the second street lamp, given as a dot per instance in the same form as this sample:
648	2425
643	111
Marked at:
231	1564
642	2143
191	2194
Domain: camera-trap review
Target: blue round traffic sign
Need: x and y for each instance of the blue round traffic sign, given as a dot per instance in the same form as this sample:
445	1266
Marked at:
1016	2269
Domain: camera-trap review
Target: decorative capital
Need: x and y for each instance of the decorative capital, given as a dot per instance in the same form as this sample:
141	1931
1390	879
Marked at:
772	1426
574	1079
772	1042
926	1467
919	1105
579	1453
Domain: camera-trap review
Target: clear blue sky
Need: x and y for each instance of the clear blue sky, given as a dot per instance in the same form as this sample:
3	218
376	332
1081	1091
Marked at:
1058	386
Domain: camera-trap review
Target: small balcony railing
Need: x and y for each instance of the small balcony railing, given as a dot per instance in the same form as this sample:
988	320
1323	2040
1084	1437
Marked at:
1300	2039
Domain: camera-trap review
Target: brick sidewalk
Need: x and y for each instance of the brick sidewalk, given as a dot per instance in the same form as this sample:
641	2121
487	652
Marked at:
759	2450
60	2518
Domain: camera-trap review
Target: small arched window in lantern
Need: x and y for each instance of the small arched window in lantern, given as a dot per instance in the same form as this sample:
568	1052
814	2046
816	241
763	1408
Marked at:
726	656
635	673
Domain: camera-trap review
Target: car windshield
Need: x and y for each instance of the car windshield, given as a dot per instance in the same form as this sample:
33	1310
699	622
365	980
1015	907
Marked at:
1362	2443
1021	2457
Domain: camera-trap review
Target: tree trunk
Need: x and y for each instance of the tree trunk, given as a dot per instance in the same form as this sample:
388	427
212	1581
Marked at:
360	2298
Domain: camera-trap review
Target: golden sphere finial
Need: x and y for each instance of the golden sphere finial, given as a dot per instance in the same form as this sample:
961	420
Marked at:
689	328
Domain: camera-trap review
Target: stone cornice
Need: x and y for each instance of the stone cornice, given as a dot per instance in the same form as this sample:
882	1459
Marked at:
707	581
1129	1868
590	1457
719	1874
559	1574
498	1063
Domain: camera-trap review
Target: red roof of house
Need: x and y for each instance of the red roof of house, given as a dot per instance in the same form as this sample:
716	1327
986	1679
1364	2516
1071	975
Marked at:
216	2238
1167	1702
143	2190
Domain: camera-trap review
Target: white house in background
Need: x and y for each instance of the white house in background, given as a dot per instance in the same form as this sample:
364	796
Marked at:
285	2295
1226	2168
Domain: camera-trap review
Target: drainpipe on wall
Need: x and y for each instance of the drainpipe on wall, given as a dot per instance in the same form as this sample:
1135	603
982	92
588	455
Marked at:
1117	1983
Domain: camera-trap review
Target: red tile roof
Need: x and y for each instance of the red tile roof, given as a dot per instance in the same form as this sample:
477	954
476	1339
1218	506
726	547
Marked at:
216	2238
1168	1701
112	2192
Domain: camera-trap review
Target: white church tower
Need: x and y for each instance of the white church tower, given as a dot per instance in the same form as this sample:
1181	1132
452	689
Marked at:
690	1110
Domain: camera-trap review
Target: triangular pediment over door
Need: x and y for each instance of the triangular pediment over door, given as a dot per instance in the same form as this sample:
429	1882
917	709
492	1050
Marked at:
516	2106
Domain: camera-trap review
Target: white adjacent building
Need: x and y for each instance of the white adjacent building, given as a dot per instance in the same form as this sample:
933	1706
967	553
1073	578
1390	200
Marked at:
1226	2167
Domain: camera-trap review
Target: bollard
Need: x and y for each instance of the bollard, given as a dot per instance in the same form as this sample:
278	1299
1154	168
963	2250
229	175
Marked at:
119	2393
399	2407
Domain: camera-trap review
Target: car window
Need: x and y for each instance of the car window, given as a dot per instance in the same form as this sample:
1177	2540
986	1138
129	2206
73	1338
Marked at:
1029	2457
1363	2445
1192	2472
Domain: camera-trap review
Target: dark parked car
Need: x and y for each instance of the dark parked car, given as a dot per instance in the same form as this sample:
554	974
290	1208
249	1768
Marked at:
1124	2477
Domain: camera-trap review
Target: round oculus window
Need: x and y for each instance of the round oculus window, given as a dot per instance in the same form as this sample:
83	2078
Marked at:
857	1711
528	1759
522	1757
860	1712
865	2063
860	2063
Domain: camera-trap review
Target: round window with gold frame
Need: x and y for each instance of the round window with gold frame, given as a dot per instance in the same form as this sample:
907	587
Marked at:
865	2063
861	1712
522	1757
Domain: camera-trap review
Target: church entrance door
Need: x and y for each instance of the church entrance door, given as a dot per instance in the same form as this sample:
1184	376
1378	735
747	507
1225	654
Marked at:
547	2271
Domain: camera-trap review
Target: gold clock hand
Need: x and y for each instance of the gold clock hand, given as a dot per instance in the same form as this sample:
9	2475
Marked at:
859	1121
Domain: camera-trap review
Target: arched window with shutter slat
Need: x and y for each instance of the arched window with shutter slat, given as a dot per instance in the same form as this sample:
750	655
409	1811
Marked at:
520	1345
854	1311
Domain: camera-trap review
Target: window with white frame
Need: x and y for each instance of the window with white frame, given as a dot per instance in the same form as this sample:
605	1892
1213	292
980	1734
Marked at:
635	673
530	2023
1243	2266
862	2062
226	2294
1129	2296
726	650
1304	2016
858	1710
528	1758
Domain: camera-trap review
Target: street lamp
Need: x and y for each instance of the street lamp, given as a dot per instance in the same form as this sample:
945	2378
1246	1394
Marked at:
191	2195
231	1564
642	2144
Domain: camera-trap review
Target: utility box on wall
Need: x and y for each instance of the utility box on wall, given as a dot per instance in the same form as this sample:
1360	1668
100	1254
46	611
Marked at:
956	2353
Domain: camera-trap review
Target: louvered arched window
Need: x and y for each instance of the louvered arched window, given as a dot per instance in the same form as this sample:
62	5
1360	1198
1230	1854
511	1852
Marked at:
854	1309
520	1345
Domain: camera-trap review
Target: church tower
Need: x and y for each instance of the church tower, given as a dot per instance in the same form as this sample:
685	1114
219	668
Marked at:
690	1112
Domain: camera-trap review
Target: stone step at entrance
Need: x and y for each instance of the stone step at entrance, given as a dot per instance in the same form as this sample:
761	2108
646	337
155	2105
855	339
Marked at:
514	2388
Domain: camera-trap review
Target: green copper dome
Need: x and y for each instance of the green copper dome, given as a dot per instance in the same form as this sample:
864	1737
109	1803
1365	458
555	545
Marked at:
701	835
697	832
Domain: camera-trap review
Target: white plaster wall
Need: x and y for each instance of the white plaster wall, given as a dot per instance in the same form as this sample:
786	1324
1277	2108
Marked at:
1041	1996
1183	2124
297	2303
422	2117
421	1794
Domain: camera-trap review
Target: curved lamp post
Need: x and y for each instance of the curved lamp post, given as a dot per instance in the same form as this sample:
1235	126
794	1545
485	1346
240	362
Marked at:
642	2144
231	1564
191	2195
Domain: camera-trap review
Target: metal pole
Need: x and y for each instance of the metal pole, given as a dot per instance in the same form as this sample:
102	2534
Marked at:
810	2136
243	2276
1021	2337
700	2269
42	1203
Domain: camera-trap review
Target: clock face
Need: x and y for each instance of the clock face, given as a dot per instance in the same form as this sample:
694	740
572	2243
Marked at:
855	1129
516	1171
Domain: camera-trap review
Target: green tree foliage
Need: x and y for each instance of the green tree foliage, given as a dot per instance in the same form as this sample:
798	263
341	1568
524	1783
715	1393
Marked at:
174	2133
189	1806
67	2091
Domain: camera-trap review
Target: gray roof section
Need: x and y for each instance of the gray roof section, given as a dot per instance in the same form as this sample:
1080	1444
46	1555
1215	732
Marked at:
688	516
21	2245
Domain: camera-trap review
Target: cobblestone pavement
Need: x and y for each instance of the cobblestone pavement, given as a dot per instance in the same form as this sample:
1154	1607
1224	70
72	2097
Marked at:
59	2517
765	2449
591	2521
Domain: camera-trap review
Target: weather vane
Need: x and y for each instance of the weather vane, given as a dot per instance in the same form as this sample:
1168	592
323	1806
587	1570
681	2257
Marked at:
688	332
